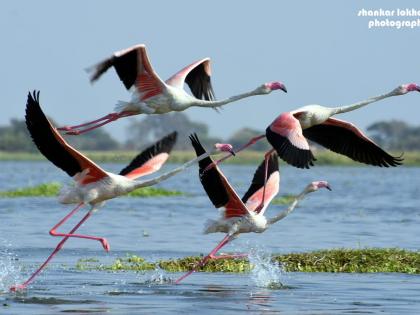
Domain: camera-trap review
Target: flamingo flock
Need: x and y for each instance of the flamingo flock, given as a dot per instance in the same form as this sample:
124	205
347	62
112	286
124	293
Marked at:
288	135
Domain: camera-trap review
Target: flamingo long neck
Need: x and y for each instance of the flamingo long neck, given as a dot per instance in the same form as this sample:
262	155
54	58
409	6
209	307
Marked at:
154	181
349	108
292	206
218	103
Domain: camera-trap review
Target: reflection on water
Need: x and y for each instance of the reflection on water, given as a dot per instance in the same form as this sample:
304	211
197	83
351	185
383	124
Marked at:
368	207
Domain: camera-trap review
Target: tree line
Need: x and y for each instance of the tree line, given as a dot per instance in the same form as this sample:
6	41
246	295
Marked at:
390	135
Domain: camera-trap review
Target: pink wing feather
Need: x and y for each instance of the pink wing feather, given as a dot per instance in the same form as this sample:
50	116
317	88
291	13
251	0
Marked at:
285	135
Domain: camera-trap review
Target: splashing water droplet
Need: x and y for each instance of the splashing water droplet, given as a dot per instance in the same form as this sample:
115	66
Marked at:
157	277
9	268
265	273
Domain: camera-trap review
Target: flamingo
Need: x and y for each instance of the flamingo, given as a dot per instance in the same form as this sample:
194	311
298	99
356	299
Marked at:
151	95
93	185
288	134
247	214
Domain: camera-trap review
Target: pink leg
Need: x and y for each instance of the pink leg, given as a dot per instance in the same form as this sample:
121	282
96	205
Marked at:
225	240
67	216
250	142
266	158
53	232
56	250
74	130
103	241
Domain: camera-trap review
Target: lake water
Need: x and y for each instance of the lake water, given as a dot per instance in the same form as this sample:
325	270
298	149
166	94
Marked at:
368	207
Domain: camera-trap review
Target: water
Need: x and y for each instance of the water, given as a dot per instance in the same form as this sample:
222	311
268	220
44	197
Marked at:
368	207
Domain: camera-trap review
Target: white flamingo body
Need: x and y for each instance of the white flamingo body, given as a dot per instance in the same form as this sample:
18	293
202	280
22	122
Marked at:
312	115
109	187
171	100
251	222
152	95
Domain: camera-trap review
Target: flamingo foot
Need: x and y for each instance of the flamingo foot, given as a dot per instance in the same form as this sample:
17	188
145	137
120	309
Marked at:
17	287
72	132
77	129
65	128
105	244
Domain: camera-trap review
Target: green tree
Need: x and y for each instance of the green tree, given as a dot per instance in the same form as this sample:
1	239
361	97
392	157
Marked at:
395	135
97	140
15	137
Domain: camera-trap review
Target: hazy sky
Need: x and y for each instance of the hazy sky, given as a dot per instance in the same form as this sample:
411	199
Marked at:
321	50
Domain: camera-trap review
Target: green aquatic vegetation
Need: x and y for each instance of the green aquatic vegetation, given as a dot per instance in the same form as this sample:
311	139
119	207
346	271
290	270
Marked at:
42	190
154	192
52	189
219	265
335	260
283	200
353	260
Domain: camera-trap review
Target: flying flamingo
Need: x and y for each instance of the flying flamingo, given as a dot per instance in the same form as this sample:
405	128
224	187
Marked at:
288	134
151	95
247	214
93	185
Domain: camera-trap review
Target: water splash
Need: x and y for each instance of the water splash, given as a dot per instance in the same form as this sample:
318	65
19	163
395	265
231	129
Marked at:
157	277
265	272
10	270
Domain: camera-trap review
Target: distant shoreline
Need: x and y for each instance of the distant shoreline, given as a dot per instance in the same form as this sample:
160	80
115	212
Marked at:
323	157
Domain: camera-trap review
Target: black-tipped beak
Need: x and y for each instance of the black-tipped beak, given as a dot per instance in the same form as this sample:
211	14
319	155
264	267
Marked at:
418	88
284	89
328	187
232	152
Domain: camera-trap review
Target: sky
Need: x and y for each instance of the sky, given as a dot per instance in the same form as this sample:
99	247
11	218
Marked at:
322	50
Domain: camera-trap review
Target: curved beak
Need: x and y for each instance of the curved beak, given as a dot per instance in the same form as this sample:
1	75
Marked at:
283	88
328	187
232	152
418	88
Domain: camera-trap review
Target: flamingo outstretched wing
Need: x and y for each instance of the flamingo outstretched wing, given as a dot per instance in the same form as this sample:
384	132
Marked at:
134	69
285	135
151	159
344	138
55	148
217	186
253	197
197	75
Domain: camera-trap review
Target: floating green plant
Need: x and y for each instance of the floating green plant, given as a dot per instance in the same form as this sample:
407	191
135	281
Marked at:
52	189
335	260
42	190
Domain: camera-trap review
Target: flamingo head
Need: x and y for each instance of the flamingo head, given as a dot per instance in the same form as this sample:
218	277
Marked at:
314	186
268	87
224	147
405	88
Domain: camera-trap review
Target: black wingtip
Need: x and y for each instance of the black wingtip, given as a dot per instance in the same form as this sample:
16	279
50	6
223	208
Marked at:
32	106
195	142
164	145
33	97
97	70
289	153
